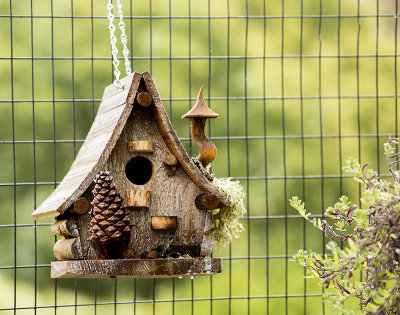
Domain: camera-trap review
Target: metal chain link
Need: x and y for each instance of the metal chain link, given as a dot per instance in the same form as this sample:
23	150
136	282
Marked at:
113	39
124	38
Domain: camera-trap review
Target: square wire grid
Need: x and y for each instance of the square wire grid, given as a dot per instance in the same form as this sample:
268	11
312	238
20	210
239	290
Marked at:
300	86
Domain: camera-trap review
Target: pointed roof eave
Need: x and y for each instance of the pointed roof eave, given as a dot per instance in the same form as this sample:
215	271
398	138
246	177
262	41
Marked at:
174	145
113	113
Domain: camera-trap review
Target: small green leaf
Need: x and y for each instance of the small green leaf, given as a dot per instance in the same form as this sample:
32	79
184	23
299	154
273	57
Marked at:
372	308
336	258
352	245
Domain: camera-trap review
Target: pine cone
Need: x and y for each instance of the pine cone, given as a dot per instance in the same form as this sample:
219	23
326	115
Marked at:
110	226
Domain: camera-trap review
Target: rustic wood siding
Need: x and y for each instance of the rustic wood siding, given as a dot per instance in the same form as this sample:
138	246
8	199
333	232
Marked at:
170	195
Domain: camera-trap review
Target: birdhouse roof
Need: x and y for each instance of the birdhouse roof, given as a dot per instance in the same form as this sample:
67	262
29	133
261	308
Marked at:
200	109
114	111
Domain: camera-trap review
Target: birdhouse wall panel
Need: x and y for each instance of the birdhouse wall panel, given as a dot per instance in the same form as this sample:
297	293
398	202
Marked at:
88	252
141	241
169	195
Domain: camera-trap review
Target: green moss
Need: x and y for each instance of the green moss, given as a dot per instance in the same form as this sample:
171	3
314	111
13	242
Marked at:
226	220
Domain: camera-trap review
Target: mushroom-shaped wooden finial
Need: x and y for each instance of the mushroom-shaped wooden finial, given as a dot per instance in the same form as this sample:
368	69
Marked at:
198	116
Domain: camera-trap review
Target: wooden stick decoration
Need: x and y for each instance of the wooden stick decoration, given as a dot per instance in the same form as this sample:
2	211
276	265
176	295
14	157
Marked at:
144	99
65	228
170	162
198	115
81	205
207	201
66	249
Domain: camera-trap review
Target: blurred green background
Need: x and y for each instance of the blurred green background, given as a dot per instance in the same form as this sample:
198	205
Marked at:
299	85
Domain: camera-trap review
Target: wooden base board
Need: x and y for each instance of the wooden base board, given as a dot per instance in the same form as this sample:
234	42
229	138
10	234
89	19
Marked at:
136	268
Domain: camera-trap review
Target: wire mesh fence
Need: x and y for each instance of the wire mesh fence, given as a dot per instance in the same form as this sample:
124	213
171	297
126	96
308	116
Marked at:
299	85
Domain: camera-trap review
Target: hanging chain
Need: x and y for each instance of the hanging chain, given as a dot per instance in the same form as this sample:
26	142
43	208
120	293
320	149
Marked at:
124	41
124	38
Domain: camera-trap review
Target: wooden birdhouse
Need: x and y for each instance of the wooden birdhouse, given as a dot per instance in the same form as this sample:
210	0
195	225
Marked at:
134	204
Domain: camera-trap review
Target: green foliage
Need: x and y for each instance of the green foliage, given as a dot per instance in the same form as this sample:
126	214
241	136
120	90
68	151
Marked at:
226	220
372	247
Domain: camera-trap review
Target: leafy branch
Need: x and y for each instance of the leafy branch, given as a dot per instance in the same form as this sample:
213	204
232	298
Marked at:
371	235
342	212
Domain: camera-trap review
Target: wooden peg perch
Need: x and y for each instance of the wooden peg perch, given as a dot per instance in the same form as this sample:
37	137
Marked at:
198	115
144	99
170	159
170	162
81	205
207	201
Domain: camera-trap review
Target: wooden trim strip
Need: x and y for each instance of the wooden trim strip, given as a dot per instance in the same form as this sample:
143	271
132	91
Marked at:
163	223
143	146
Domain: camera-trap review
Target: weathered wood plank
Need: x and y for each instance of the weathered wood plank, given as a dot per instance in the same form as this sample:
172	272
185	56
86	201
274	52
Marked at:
112	102
136	268
144	146
98	145
137	198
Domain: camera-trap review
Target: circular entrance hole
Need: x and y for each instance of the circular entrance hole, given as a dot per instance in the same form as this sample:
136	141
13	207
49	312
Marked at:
139	170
